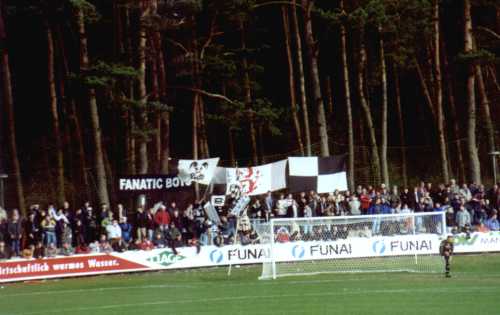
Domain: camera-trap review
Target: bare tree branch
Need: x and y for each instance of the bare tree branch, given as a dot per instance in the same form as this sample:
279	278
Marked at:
177	44
489	31
277	2
206	93
211	36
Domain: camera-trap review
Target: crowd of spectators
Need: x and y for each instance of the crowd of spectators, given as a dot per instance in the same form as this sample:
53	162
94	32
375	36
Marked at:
50	231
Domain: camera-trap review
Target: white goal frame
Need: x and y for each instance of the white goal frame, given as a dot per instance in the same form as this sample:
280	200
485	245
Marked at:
272	260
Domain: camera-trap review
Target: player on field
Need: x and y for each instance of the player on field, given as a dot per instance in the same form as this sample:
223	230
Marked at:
446	250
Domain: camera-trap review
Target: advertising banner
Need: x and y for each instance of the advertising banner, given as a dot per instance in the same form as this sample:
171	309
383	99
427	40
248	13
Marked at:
16	270
208	256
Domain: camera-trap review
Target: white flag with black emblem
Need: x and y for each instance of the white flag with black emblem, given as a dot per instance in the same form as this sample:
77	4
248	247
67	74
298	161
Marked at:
198	171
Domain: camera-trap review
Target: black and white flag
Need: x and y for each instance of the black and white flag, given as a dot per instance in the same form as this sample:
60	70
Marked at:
321	174
251	181
198	171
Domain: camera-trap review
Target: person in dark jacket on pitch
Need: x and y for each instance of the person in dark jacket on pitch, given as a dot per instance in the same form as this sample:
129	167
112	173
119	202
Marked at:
446	250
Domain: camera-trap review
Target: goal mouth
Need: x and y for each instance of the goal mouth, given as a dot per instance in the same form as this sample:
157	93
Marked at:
380	243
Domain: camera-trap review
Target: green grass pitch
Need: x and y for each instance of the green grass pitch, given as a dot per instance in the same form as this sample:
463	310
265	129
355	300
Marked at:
473	289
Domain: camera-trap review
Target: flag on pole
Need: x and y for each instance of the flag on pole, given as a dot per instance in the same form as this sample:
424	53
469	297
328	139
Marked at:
199	171
321	174
256	180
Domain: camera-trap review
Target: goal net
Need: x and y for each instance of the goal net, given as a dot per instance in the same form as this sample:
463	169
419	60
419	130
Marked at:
369	243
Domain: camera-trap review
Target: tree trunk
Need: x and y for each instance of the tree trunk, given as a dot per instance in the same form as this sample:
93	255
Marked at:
262	151
493	76
439	95
71	168
230	139
453	111
165	142
365	173
73	119
498	18
383	144
302	79
347	92
130	123
155	97
131	150
9	109
102	190
142	93
366	109
203	129
56	132
425	90
196	104
485	109
312	52
474	165
248	98
47	170
291	79
165	115
194	139
111	179
399	113
329	96
230	135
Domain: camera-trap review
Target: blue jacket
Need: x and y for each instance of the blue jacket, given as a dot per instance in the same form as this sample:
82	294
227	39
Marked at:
492	224
379	209
126	231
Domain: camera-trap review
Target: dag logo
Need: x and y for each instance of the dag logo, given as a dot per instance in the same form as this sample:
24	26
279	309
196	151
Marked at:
464	240
216	256
298	251
166	258
378	247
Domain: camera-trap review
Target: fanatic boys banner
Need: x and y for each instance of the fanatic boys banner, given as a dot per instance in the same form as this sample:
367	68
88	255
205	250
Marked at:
151	183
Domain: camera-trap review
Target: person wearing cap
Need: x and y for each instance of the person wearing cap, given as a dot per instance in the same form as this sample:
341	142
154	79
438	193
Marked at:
446	250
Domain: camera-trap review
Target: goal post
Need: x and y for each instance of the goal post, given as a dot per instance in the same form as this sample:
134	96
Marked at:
368	243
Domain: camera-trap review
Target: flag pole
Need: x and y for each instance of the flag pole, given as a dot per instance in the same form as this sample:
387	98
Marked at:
235	242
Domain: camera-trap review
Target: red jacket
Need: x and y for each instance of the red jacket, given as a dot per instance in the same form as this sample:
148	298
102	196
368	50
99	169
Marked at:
365	201
162	217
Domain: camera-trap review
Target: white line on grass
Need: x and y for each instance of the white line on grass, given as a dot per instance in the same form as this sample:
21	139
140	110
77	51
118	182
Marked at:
58	292
484	290
191	285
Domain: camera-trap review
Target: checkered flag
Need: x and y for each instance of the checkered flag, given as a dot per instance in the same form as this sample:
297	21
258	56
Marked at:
321	174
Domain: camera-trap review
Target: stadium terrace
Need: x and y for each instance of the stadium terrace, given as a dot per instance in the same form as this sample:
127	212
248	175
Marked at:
68	230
